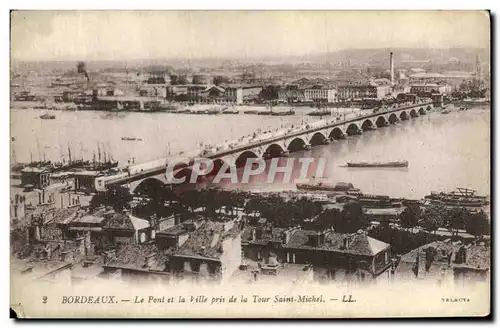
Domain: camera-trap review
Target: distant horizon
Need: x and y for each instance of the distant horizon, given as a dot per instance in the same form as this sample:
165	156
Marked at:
256	58
92	36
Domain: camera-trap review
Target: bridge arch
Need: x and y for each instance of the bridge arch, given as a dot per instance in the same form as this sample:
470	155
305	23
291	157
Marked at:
337	133
150	187
353	129
381	121
393	118
404	116
422	111
218	164
413	113
185	174
273	150
241	160
297	144
367	125
318	139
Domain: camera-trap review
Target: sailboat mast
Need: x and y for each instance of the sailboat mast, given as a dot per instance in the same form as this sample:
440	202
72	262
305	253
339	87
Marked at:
81	151
13	152
69	154
38	148
98	153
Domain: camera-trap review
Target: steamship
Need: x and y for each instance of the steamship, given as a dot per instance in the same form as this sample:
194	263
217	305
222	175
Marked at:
378	164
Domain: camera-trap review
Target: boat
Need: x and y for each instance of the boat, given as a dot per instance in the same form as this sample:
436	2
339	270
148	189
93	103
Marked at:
462	197
251	112
47	116
445	111
320	113
378	164
213	111
235	112
285	113
182	111
131	139
327	186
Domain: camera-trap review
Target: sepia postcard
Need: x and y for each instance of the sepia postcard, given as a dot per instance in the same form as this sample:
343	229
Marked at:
250	164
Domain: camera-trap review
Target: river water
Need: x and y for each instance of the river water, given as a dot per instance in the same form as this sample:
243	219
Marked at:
443	151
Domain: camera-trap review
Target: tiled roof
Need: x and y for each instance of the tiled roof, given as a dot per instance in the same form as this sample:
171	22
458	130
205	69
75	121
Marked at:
273	235
139	224
206	241
358	243
118	221
175	230
478	257
134	257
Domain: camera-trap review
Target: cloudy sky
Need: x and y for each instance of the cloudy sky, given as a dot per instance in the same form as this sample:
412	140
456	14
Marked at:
122	35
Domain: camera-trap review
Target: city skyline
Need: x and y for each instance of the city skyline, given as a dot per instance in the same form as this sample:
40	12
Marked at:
127	35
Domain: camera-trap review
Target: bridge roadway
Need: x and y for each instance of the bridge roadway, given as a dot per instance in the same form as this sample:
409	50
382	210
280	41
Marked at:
281	139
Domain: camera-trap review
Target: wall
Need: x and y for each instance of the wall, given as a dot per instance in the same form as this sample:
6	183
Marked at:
231	256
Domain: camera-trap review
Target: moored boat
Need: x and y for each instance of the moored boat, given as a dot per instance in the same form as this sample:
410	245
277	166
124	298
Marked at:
131	139
378	164
47	117
327	186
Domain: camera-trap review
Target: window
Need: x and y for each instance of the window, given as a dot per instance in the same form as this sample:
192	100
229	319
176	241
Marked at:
259	255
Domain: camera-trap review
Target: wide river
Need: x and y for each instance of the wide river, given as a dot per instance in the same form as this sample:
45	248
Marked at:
443	151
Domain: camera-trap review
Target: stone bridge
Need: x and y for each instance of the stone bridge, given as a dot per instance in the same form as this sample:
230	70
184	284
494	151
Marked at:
267	145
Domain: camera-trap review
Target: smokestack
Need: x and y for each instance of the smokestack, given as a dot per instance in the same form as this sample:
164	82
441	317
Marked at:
82	69
392	68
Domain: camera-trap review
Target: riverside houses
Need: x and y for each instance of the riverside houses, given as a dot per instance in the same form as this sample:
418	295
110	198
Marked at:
211	253
334	256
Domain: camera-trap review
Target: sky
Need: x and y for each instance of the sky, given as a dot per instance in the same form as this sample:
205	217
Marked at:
126	35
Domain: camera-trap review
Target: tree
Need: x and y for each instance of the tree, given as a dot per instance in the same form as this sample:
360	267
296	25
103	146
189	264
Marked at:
454	220
432	220
410	217
353	218
118	197
327	219
477	224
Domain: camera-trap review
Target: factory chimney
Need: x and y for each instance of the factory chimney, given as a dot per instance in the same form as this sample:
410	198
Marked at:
392	68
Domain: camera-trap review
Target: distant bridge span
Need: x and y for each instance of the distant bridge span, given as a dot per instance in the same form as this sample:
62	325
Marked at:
267	145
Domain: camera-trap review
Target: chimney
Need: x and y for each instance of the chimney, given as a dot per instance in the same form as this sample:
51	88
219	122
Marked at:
346	243
258	232
287	235
391	67
109	255
149	260
461	255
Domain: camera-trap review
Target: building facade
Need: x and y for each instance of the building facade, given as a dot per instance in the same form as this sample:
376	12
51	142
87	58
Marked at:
320	94
333	256
362	91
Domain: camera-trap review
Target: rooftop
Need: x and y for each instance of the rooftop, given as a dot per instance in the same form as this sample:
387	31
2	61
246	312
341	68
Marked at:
478	256
206	241
136	257
359	243
174	231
